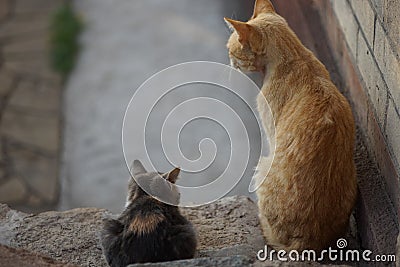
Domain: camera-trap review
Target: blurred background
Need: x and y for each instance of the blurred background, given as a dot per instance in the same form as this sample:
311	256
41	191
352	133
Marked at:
69	69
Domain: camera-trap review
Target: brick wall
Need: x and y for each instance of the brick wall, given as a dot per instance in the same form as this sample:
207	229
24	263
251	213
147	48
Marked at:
364	39
368	38
372	32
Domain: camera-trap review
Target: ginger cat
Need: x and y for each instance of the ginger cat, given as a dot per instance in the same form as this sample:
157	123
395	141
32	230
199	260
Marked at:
309	192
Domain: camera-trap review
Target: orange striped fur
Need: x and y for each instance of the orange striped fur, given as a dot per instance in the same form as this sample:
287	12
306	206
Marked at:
308	194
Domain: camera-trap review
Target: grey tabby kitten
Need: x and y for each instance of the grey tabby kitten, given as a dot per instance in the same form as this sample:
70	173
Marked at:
149	230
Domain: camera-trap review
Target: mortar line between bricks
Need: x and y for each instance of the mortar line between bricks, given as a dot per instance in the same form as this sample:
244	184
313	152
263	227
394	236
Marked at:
381	130
388	94
386	111
371	104
392	44
373	37
388	147
357	50
362	79
394	105
363	84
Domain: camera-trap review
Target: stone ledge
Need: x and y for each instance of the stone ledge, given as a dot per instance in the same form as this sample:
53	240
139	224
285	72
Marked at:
228	234
23	258
230	224
233	261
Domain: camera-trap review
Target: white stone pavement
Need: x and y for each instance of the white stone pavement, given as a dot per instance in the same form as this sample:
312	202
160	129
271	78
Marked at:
123	44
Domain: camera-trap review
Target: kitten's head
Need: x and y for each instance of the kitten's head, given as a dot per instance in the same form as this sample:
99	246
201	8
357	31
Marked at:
159	185
249	43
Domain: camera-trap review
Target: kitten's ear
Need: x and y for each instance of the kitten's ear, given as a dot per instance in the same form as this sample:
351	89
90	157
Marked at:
172	176
137	168
248	34
262	6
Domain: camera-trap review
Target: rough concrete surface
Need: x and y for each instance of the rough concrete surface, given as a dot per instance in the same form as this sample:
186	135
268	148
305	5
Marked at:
72	236
228	232
228	222
233	261
23	258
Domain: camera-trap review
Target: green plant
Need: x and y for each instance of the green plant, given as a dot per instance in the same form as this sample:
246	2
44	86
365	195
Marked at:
64	31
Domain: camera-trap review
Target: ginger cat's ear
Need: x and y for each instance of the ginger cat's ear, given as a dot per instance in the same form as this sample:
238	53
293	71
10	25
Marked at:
263	6
242	29
248	34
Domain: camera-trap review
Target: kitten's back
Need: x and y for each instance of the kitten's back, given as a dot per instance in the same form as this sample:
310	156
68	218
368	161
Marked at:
149	230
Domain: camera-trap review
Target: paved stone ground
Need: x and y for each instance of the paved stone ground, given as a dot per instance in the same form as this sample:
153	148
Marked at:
30	96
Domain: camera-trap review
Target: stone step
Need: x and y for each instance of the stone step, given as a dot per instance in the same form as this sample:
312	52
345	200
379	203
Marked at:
228	233
224	228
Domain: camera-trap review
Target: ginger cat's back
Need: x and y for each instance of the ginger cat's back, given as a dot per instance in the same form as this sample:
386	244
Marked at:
308	194
311	188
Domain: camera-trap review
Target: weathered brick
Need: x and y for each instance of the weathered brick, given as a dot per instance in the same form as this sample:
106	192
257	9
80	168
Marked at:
357	93
377	220
393	131
373	79
387	62
391	21
378	95
378	149
365	61
380	44
365	15
378	6
392	75
347	22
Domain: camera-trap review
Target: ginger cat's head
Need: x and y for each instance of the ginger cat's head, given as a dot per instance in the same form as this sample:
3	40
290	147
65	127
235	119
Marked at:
254	42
